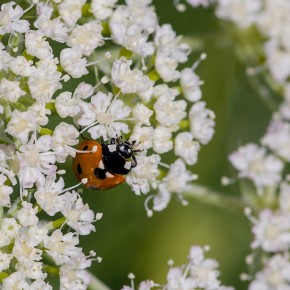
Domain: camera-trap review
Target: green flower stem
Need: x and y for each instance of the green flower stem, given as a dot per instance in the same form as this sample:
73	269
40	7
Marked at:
96	284
217	199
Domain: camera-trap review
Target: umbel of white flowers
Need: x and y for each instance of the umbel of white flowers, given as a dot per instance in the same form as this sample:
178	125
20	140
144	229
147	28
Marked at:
139	92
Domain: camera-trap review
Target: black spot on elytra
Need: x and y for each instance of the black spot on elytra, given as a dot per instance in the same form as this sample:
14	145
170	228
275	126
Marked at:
100	173
86	147
79	169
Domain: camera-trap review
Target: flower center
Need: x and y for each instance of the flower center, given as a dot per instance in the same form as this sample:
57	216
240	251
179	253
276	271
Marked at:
105	118
33	158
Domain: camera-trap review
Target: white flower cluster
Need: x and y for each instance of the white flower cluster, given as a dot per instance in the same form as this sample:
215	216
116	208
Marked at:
271	226
271	19
199	273
45	49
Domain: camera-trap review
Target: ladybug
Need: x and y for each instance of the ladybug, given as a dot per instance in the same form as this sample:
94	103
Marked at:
106	167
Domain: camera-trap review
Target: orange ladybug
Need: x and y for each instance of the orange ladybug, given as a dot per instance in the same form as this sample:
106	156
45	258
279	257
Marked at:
107	166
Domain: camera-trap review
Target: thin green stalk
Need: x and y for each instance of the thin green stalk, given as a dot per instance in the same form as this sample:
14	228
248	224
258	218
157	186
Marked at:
222	200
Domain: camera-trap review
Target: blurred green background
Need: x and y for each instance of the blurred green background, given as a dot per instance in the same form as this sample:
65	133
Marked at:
129	241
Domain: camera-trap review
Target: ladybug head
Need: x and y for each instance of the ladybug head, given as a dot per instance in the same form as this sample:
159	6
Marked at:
125	149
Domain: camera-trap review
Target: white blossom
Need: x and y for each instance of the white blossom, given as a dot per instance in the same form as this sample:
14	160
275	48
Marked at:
176	181
70	11
185	147
252	162
73	62
36	45
78	215
10	21
102	9
27	214
10	90
190	83
34	162
64	136
201	122
271	231
274	275
277	138
162	142
105	112
86	37
55	28
141	114
131	81
145	173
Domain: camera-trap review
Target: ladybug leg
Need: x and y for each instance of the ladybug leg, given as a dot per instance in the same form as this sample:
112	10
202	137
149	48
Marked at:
134	162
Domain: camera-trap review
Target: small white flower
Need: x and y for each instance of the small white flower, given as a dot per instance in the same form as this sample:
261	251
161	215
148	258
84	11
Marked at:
127	32
70	11
62	247
36	234
105	112
64	136
102	9
146	172
5	261
176	181
275	274
162	142
271	231
27	214
73	62
31	270
15	280
25	251
277	138
177	280
141	114
144	136
131	81
242	12
20	125
190	83
21	66
170	45
169	112
10	19
9	231
78	215
73	279
34	162
87	37
39	113
35	45
185	147
252	162
10	90
54	28
67	104
44	80
47	195
166	66
201	122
